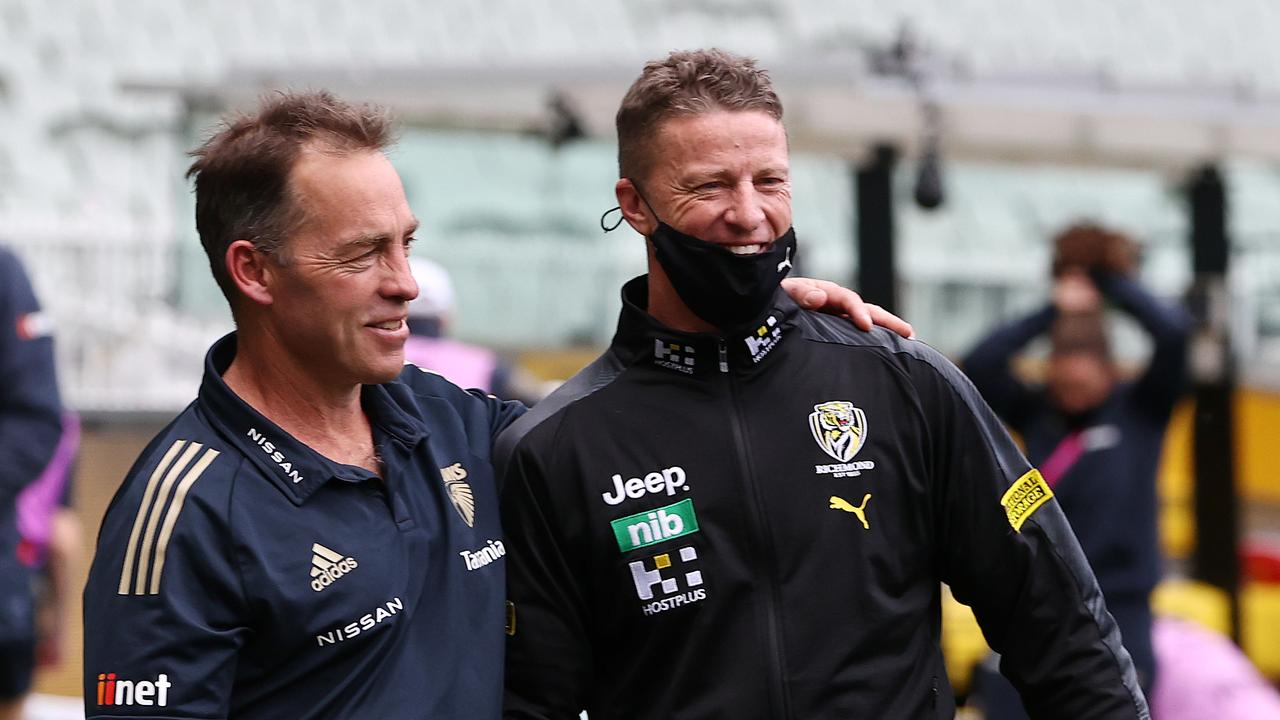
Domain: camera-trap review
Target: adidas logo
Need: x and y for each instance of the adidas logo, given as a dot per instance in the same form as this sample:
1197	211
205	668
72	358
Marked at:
327	566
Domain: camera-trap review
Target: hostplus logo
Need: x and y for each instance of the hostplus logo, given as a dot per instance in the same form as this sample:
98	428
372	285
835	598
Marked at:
674	356
676	587
327	566
763	339
114	691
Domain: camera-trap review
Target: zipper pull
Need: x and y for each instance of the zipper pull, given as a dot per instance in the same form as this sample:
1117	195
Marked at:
724	356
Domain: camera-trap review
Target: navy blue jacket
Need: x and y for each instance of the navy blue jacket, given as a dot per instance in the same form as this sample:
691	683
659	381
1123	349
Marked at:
241	574
1109	493
30	425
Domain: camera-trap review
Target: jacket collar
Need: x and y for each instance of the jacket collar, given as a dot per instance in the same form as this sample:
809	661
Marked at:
642	339
293	466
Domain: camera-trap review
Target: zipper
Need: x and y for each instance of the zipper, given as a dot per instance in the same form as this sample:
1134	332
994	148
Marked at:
724	357
764	539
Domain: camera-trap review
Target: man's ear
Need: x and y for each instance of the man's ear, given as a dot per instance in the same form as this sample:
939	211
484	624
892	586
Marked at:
637	212
253	272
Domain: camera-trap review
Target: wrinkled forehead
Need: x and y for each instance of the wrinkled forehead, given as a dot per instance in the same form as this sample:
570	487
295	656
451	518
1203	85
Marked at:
349	193
715	139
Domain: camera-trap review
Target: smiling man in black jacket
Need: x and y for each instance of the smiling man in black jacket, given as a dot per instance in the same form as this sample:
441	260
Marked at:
745	510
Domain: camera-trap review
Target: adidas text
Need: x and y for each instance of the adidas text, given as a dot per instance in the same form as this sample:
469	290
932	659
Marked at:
327	566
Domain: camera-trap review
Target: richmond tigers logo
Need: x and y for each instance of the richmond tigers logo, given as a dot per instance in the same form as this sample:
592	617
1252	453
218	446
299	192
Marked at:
839	428
459	491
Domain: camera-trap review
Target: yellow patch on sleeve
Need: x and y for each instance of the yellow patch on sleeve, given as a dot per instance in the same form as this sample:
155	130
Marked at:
1024	497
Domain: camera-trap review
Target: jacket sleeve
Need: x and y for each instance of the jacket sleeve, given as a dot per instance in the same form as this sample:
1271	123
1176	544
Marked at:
1006	550
164	611
987	365
501	413
30	412
477	408
548	671
1164	379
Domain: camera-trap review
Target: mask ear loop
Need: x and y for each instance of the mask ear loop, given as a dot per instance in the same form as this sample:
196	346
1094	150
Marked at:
621	217
607	213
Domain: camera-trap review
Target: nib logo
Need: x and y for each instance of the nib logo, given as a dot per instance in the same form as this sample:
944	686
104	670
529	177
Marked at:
655	526
113	691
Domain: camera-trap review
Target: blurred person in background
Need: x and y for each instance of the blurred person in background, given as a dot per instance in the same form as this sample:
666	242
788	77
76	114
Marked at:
30	425
317	534
745	510
50	544
464	364
1095	435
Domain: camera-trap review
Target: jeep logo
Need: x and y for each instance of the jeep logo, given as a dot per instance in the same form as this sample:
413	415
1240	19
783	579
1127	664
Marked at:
654	482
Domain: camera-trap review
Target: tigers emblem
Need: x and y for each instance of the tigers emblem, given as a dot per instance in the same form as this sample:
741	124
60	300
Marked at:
839	428
459	491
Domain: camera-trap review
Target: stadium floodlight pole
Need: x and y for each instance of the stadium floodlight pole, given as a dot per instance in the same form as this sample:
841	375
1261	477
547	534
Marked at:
1215	558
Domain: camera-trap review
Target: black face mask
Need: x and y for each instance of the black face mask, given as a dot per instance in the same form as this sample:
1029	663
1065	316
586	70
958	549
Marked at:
721	288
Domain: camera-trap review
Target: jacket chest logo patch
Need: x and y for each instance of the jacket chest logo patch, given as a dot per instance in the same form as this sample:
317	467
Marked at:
840	429
671	583
1024	497
655	526
328	565
34	325
674	356
459	491
667	480
764	338
839	503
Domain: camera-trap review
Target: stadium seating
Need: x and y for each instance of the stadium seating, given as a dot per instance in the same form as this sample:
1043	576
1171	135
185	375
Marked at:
100	99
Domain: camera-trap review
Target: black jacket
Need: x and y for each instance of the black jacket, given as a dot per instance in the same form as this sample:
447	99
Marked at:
756	527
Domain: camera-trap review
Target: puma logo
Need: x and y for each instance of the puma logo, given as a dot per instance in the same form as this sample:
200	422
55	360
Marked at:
786	262
839	503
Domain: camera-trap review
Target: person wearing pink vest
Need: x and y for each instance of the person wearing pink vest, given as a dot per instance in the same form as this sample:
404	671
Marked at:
464	364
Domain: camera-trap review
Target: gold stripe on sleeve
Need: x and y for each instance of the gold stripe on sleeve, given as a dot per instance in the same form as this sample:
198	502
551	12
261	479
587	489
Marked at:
171	517
148	537
141	517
